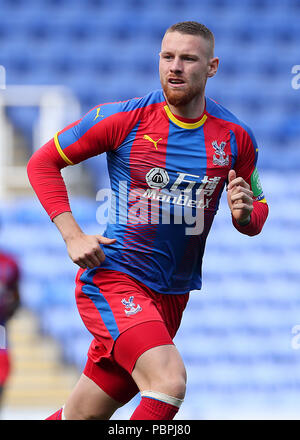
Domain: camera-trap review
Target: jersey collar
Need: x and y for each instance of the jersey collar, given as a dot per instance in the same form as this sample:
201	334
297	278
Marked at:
183	122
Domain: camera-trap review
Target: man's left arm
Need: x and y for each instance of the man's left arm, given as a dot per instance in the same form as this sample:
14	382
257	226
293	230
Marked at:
246	200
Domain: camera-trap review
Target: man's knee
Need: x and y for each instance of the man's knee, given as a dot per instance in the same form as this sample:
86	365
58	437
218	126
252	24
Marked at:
172	385
79	411
161	369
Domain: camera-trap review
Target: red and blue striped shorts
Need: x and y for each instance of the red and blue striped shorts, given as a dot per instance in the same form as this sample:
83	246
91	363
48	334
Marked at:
126	319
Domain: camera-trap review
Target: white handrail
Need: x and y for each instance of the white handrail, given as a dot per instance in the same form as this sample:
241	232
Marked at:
57	108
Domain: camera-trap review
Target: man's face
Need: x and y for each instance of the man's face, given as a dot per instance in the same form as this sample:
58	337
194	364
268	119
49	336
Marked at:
185	64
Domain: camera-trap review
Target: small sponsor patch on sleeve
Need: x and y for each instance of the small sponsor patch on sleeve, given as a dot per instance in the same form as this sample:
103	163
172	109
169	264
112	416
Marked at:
256	187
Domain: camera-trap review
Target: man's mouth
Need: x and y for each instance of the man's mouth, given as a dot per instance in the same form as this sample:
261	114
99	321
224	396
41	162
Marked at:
176	82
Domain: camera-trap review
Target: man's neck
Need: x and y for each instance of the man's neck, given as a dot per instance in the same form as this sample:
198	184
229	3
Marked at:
192	110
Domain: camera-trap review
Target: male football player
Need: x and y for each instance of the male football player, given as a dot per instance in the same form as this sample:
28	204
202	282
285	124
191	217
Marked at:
173	149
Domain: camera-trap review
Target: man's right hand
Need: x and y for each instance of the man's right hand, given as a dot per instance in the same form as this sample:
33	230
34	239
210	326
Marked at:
84	250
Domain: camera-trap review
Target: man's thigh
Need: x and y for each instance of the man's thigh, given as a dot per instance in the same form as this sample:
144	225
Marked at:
89	402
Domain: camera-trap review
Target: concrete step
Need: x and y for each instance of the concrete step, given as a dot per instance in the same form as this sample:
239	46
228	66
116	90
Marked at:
38	376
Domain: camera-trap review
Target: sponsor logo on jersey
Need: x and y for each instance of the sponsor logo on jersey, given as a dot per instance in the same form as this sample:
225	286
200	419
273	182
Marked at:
183	203
130	307
157	178
181	190
222	160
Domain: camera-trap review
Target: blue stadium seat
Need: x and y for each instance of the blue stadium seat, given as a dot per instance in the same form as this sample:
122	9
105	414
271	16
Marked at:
27	210
60	322
31	294
76	354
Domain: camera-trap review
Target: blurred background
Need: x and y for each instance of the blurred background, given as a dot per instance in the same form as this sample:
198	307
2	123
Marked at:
239	335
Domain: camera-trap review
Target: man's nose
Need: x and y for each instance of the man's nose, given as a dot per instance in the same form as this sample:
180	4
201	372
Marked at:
176	65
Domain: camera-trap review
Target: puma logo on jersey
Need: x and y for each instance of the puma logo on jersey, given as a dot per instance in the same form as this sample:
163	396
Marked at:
148	138
98	114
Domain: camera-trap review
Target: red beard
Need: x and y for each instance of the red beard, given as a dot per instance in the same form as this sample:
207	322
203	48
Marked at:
179	98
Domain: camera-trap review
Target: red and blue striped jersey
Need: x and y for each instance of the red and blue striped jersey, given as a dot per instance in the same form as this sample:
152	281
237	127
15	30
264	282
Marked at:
159	166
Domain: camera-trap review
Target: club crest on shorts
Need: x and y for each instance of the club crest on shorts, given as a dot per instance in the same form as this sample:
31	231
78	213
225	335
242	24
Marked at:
130	308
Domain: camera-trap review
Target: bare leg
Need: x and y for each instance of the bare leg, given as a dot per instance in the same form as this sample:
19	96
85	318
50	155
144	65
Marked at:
161	369
88	402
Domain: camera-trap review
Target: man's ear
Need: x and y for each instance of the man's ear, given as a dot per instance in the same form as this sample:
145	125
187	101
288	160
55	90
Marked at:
213	67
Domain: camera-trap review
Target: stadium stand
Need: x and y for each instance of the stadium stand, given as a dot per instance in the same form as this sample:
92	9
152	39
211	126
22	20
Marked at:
236	334
116	48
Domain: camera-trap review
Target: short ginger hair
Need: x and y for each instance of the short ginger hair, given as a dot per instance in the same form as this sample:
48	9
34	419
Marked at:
195	28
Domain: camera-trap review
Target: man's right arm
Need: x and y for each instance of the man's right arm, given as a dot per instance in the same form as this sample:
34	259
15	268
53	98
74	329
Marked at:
81	140
46	179
102	129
